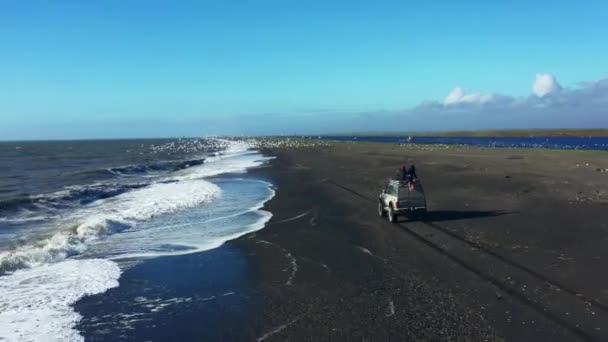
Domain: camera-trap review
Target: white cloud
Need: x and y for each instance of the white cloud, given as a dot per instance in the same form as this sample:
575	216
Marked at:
454	96
545	84
549	106
458	95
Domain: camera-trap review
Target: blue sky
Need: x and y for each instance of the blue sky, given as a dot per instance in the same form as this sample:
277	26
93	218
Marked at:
77	69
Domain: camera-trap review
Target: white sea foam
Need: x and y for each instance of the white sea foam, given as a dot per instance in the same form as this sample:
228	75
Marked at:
108	216
35	304
236	158
197	244
184	189
236	213
23	219
35	298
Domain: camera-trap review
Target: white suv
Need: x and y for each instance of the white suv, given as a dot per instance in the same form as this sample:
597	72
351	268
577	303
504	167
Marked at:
399	198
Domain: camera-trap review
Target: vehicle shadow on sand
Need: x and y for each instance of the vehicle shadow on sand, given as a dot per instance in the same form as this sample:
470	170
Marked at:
450	215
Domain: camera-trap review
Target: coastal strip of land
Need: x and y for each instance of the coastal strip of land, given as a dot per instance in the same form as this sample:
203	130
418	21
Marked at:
566	132
513	247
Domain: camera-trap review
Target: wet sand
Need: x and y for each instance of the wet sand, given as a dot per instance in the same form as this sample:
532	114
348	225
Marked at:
205	296
514	246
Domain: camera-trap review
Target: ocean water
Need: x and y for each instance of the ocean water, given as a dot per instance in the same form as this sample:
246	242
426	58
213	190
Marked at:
562	143
75	215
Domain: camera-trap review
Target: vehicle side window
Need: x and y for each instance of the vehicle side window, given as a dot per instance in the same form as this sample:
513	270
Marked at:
392	190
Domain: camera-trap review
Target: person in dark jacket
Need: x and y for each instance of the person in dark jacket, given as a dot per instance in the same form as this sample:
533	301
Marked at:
411	177
411	173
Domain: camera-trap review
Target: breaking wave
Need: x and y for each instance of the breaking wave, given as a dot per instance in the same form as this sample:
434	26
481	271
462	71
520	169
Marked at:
106	217
99	210
167	166
71	243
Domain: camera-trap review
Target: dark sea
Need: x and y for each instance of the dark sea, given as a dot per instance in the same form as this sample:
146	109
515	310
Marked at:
84	223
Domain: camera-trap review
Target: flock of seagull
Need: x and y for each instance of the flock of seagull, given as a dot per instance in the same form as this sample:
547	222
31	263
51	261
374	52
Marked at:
196	145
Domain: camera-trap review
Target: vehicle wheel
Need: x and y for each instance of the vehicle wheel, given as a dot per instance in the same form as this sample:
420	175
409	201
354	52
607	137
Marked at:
392	217
381	211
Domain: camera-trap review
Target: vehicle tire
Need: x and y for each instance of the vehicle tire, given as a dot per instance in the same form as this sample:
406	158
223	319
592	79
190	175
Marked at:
392	217
381	211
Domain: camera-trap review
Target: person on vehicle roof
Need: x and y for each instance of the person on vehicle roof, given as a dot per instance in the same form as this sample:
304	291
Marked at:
411	177
411	172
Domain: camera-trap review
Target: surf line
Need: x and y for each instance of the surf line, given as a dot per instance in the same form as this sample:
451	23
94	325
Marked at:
278	329
292	218
292	261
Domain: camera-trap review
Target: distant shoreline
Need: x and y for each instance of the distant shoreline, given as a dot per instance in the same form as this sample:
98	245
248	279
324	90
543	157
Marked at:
566	132
601	132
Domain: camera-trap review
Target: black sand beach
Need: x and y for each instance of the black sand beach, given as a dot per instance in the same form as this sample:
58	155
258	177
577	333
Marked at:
513	247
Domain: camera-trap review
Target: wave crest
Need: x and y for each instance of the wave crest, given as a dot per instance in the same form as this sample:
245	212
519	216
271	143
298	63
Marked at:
107	217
